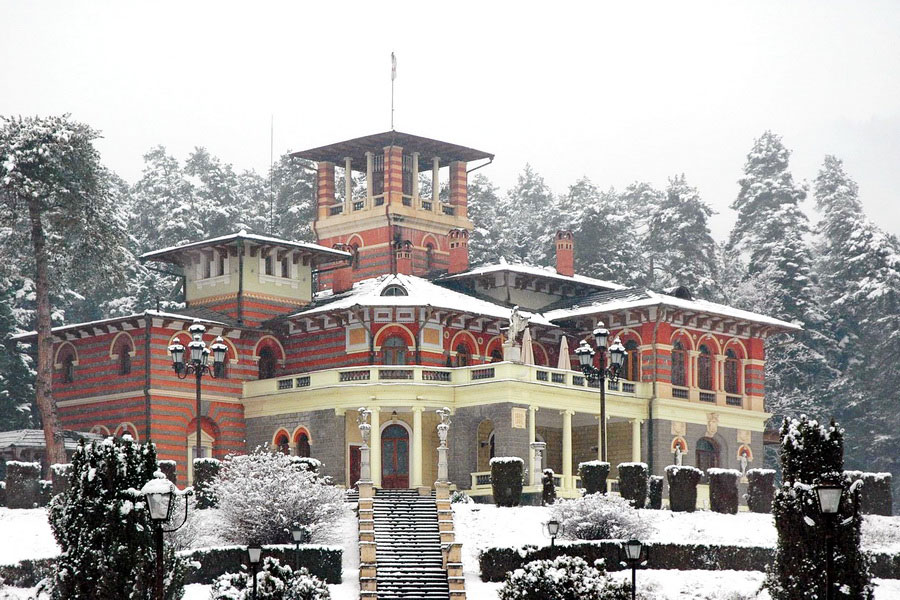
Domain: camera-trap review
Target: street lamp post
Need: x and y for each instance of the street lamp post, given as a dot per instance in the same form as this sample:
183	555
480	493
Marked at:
297	532
633	557
553	531
585	355
829	496
254	554
160	496
198	365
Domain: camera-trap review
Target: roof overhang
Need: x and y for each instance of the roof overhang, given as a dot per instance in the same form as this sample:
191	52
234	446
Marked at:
178	254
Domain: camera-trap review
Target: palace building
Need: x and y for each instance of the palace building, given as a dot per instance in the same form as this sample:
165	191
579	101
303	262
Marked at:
384	312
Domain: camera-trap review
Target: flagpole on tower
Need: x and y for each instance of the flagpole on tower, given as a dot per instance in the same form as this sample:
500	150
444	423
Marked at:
393	77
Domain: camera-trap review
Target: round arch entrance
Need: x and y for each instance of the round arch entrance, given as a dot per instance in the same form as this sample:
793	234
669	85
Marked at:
394	457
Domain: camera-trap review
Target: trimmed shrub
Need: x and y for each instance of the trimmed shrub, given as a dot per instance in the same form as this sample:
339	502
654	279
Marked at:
45	489
683	487
205	471
875	497
548	489
563	578
723	490
170	470
760	490
22	487
655	493
633	482
274	581
59	474
593	475
2	493
305	463
506	480
599	517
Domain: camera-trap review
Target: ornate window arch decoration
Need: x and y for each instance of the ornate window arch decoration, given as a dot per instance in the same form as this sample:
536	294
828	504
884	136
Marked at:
302	441
715	348
467	338
122	349
100	429
684	336
126	427
355	245
281	441
705	379
65	349
394	330
493	349
679	442
270	341
430	238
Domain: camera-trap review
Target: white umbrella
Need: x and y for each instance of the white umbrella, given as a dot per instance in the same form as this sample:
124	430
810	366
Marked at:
527	348
565	361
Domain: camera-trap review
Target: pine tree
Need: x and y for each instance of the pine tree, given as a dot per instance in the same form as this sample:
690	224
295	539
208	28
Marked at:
295	199
483	201
524	236
679	242
16	374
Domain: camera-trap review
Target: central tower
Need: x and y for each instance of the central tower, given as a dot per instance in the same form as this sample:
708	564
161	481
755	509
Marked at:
390	227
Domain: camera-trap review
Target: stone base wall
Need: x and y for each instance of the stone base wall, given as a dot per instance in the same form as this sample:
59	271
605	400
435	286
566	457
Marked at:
326	431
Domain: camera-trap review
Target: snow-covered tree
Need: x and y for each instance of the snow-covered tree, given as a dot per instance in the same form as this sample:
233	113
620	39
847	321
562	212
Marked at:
295	198
16	374
483	201
524	236
261	495
679	242
274	581
53	187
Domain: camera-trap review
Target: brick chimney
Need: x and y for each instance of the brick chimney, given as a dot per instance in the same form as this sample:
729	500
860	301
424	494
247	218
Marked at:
565	253
458	188
403	252
324	189
459	251
342	279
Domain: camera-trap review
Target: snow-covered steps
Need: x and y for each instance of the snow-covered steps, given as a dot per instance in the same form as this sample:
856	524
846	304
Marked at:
411	544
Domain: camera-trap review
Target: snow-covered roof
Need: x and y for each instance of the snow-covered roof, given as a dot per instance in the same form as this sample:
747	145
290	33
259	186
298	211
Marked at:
34	438
535	271
420	292
640	298
166	254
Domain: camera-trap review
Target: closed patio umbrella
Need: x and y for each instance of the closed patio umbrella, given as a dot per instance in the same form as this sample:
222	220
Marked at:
527	348
565	361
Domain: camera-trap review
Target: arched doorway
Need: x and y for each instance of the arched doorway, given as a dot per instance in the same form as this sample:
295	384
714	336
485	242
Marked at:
394	457
707	454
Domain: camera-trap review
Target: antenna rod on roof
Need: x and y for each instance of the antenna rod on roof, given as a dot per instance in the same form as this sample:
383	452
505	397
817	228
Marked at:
272	176
393	77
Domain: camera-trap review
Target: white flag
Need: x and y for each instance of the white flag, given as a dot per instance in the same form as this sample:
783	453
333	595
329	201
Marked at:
393	67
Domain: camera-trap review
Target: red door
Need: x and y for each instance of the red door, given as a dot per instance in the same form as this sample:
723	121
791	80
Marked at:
394	457
354	466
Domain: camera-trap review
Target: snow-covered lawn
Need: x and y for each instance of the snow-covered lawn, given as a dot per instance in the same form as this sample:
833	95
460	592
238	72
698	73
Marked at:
26	534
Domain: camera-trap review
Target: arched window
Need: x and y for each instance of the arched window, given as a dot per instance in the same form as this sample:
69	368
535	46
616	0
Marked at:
679	359
732	368
463	358
393	351
492	445
69	369
283	444
303	445
354	251
704	369
124	358
496	355
394	290
267	363
707	454
632	368
429	258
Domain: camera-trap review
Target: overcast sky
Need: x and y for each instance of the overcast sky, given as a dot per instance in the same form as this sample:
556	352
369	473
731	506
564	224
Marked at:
615	92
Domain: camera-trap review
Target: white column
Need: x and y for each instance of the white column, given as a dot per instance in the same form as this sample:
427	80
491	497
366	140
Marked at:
375	458
348	185
532	438
417	447
415	177
370	166
436	185
567	448
635	440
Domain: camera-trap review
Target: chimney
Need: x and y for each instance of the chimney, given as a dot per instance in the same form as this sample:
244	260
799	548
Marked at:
565	253
404	257
458	188
324	189
342	279
459	251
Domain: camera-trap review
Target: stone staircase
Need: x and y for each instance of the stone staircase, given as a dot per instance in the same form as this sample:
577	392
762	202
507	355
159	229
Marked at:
407	547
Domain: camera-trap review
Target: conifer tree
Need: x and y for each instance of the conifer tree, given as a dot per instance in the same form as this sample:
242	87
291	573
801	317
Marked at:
16	374
605	247
524	237
295	199
483	201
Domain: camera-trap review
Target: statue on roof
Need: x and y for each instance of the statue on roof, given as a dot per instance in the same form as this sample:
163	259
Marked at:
517	324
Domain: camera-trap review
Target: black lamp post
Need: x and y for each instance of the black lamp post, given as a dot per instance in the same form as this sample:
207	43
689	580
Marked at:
254	555
553	531
829	496
585	355
633	557
160	496
198	365
297	532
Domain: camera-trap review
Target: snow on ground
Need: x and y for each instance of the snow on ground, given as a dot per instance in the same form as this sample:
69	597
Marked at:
26	534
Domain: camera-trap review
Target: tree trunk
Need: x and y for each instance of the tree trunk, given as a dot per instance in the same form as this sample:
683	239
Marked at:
53	434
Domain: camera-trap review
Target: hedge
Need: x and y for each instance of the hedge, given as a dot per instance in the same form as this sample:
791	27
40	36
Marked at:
875	497
2	493
760	490
548	487
59	474
170	470
45	491
495	563
322	561
683	487
723	490
205	470
655	492
633	482
593	476
506	480
22	487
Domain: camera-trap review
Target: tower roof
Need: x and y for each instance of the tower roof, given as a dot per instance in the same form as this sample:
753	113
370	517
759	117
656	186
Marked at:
175	254
426	147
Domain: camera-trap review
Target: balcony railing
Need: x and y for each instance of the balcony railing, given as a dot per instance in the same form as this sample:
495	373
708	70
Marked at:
708	397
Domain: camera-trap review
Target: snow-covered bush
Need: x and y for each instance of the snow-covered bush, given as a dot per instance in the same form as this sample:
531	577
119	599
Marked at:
507	474
548	487
104	530
460	497
205	471
593	475
2	493
261	495
59	474
875	497
655	492
760	490
564	578
45	492
633	482
599	517
723	490
274	581
170	470
683	487
811	454
22	487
